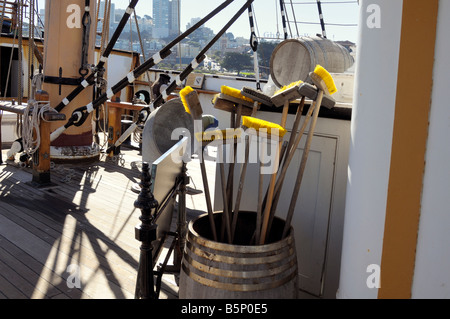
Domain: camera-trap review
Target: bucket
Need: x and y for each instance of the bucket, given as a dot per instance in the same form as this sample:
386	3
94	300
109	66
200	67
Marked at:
293	59
214	270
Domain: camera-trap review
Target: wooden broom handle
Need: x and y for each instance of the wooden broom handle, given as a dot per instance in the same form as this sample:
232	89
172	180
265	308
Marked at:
195	107
301	170
266	215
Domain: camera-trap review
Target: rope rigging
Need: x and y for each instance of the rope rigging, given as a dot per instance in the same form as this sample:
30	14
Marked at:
31	46
99	82
79	115
322	23
96	72
184	74
283	18
33	115
104	58
20	46
137	138
333	24
254	46
10	63
295	19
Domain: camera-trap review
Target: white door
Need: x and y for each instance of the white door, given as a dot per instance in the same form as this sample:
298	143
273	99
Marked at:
312	211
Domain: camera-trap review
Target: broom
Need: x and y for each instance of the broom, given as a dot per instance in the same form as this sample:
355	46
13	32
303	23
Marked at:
305	90
325	83
271	130
281	97
231	100
192	106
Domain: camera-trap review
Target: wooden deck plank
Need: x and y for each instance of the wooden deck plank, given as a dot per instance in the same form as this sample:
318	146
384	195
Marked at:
26	272
39	250
59	255
71	239
84	217
89	260
10	290
90	222
43	281
108	192
19	282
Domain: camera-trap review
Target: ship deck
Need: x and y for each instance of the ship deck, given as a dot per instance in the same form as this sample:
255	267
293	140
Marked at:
80	228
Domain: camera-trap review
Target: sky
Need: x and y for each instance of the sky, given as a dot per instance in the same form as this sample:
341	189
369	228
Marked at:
268	17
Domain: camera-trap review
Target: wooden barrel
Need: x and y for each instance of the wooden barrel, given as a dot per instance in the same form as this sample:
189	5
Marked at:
293	59
214	270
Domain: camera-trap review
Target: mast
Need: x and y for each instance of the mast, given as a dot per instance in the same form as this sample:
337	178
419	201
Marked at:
68	51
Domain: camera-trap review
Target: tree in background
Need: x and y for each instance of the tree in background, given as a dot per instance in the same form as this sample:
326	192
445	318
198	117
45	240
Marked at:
237	62
265	50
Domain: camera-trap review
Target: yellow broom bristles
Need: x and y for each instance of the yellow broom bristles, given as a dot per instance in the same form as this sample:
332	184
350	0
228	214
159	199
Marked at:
284	88
259	124
183	93
234	93
214	99
327	78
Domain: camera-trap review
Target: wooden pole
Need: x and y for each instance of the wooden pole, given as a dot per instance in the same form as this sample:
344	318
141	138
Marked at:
240	188
197	111
114	128
301	171
273	179
62	61
41	159
1	115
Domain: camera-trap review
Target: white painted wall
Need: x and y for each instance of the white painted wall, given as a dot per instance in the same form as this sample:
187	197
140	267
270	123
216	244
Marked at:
9	121
431	278
118	67
370	149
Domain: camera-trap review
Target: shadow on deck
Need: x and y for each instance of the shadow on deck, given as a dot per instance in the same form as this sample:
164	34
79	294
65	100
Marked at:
75	239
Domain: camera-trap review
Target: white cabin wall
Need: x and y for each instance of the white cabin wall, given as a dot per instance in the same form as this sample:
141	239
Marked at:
370	149
8	127
118	67
431	278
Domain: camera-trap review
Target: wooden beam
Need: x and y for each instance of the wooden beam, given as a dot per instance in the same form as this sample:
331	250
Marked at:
1	159
41	159
410	135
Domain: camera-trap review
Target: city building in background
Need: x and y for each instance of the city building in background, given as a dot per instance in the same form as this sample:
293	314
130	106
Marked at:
165	18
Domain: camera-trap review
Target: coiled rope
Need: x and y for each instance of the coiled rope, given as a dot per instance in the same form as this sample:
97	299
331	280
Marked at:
33	114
